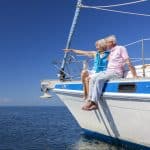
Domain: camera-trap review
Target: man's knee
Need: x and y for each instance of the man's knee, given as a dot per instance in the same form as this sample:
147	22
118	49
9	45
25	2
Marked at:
100	80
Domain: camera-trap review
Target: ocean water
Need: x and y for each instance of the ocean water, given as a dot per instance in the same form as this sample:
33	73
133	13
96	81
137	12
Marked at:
44	128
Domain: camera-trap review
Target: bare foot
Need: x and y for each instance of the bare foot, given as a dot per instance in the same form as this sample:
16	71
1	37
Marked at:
93	107
87	104
90	106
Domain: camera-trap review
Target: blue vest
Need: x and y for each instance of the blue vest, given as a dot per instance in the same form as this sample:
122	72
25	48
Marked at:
100	63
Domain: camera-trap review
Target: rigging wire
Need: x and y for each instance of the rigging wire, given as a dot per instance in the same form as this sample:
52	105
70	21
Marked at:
61	70
147	39
133	43
122	4
103	8
112	10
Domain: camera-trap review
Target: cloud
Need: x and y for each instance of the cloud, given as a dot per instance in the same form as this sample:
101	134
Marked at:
5	100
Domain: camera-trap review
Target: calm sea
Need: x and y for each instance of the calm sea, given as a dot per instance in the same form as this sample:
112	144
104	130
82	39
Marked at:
44	128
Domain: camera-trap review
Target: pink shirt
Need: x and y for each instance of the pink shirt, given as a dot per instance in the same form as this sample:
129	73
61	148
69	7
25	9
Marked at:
117	58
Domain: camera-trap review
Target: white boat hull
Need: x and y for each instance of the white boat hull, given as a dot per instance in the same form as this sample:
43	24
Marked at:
125	117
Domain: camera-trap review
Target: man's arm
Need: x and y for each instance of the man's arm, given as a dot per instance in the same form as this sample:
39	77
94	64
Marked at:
131	68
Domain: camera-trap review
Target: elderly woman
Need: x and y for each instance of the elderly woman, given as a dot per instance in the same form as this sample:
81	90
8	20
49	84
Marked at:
118	57
100	63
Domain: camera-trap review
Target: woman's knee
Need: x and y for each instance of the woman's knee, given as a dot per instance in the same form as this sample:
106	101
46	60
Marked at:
87	79
84	73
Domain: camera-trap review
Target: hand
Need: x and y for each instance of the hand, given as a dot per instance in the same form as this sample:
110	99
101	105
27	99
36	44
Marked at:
67	50
137	77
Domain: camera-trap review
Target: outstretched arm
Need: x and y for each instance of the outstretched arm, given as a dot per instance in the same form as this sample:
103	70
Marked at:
81	52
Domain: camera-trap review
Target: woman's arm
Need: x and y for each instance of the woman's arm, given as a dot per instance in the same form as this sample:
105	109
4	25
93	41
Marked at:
81	52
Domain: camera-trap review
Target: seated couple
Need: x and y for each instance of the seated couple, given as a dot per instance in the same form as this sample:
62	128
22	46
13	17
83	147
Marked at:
107	65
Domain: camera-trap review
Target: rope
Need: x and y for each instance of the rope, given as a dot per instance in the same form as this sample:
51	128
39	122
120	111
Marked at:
122	4
117	11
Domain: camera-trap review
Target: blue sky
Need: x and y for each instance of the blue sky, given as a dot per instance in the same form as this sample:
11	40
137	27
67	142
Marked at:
34	32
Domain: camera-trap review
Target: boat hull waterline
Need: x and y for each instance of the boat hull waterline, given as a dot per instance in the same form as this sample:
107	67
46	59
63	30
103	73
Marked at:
123	115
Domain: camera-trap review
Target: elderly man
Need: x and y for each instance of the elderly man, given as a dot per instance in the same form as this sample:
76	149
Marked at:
118	57
100	63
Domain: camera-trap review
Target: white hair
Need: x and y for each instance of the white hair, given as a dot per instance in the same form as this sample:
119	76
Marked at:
111	38
101	43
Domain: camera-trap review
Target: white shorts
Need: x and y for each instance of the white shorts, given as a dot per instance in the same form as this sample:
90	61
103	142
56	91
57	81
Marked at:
92	74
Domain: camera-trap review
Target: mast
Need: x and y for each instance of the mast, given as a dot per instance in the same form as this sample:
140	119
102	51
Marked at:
72	29
143	62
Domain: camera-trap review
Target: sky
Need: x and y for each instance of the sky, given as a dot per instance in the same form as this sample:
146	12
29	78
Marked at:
34	32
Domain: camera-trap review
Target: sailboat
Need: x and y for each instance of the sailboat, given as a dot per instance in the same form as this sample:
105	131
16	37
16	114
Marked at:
123	116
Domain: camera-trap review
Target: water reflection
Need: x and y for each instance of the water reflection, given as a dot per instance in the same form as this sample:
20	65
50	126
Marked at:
89	143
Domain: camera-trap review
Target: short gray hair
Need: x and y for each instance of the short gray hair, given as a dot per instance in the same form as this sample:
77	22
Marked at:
101	43
111	38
